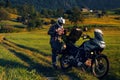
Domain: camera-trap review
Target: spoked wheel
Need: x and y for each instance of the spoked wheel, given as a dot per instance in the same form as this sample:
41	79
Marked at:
65	62
100	66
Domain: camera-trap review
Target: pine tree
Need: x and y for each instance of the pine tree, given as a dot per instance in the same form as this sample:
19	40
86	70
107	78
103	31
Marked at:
8	3
76	15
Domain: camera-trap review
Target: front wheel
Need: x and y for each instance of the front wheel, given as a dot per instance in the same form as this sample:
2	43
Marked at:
100	66
65	62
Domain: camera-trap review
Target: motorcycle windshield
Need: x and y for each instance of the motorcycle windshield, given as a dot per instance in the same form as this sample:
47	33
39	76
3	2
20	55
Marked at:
99	39
98	36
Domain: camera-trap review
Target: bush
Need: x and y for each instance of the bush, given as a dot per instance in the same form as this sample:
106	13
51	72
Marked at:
52	21
32	24
46	23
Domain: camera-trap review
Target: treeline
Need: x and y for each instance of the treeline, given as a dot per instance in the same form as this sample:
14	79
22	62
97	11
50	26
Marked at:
68	4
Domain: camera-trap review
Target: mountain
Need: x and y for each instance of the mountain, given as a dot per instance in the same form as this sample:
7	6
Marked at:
67	4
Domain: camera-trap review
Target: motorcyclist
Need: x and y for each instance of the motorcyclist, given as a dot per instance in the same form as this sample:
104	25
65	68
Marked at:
55	32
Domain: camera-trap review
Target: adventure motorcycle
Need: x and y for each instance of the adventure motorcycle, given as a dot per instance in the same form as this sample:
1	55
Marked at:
87	55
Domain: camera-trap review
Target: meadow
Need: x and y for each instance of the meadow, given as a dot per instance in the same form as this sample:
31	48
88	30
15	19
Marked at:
27	56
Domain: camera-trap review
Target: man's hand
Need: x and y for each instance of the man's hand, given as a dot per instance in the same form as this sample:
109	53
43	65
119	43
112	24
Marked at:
60	31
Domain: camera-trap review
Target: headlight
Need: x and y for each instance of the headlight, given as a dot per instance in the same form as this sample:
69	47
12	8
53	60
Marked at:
102	44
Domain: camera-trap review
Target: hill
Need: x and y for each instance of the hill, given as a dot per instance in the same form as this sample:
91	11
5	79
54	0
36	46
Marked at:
67	4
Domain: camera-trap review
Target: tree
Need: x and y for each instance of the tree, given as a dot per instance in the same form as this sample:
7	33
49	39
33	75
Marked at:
8	3
60	12
2	3
44	12
31	25
75	15
37	23
4	15
52	21
28	13
26	10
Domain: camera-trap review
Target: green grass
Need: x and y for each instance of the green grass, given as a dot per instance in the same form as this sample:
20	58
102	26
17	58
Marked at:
13	68
13	26
7	22
27	56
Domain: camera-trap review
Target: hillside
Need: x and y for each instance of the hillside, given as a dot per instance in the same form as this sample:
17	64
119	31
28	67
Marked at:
66	4
27	55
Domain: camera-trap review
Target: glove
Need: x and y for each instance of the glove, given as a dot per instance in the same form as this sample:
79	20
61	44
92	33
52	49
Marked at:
60	31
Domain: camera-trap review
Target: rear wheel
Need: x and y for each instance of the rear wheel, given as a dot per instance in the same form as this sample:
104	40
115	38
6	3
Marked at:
100	66
65	62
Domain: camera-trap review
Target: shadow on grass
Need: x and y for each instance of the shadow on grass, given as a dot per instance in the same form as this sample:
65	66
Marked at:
29	48
42	69
33	49
46	71
11	64
111	76
8	46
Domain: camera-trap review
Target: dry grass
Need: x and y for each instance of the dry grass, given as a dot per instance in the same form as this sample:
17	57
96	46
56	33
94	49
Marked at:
103	20
13	16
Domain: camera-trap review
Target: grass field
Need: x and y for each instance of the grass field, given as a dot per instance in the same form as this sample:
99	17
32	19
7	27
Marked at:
27	56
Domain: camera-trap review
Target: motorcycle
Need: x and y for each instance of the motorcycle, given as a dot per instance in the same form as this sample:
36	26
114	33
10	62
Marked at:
87	55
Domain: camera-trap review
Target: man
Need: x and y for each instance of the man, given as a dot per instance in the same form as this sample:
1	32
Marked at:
55	32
